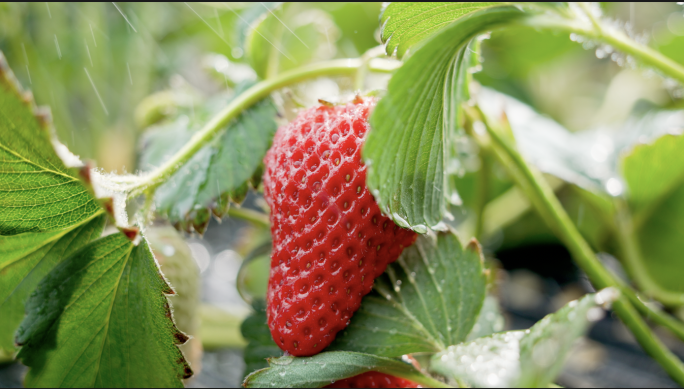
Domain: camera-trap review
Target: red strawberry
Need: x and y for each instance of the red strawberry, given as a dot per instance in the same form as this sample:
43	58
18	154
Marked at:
330	240
373	379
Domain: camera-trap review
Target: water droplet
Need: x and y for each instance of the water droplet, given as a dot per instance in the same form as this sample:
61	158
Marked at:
614	187
400	221
420	228
595	314
168	250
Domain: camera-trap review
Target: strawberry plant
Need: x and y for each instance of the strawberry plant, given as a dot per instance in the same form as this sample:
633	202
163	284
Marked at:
381	173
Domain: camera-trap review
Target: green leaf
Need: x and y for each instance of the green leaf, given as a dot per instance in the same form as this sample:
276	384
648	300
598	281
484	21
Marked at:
661	243
654	171
326	368
655	182
589	158
406	24
218	172
489	321
593	159
405	151
38	193
26	258
531	358
261	345
427	300
288	35
101	319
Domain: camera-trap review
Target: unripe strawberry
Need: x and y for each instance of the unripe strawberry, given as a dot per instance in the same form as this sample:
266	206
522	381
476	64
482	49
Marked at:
373	379
330	240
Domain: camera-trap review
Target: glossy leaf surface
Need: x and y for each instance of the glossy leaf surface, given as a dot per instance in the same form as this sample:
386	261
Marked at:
530	358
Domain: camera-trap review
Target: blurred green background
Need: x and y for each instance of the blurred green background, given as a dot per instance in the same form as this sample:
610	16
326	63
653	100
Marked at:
93	63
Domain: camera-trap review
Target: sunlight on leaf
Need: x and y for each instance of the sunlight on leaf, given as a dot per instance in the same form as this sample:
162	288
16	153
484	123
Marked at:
531	358
288	35
589	158
38	192
489	321
406	24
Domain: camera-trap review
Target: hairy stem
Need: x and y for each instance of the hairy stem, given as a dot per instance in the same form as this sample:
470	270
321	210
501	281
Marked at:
597	30
149	182
551	210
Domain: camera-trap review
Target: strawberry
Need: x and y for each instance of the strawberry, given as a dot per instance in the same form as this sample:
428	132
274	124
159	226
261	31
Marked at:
330	240
373	379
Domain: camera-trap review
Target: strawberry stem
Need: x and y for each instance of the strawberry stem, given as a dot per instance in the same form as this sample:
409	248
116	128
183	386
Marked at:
339	67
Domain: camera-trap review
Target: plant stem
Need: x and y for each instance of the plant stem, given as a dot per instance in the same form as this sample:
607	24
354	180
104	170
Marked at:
657	316
631	253
257	218
612	36
548	205
510	206
482	191
362	72
248	98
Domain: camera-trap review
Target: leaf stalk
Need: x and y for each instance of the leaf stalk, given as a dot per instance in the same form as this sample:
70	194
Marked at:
613	36
149	182
551	210
257	218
